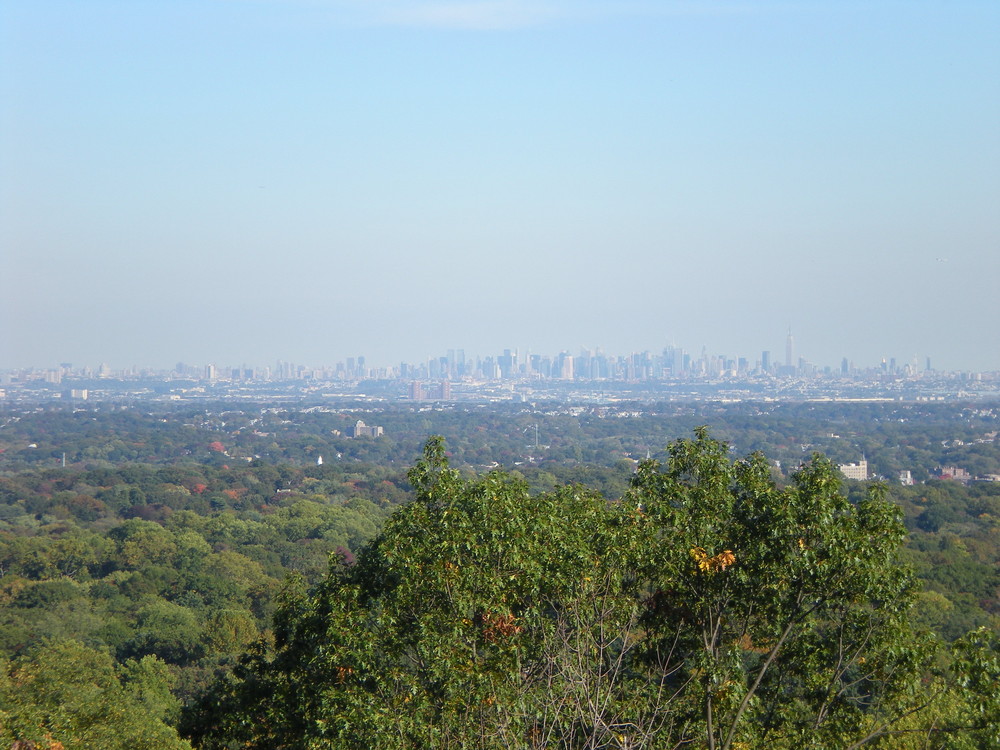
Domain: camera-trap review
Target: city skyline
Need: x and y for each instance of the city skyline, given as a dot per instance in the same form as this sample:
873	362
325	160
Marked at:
307	179
677	358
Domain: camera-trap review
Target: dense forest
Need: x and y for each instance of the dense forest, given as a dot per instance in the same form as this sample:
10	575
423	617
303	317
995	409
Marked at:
152	556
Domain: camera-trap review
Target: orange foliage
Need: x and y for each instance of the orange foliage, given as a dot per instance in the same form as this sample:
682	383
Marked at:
497	627
714	564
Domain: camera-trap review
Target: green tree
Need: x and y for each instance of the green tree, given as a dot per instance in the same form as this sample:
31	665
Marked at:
167	630
707	608
785	608
69	694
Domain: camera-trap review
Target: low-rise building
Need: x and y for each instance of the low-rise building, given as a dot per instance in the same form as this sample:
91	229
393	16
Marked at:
360	429
858	471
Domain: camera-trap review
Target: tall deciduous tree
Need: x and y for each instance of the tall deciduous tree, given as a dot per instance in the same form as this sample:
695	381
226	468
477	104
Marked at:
706	608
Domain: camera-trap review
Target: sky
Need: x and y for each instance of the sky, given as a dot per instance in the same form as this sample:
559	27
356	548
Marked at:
246	181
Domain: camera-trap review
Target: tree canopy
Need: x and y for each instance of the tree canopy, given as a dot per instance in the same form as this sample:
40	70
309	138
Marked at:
65	695
708	607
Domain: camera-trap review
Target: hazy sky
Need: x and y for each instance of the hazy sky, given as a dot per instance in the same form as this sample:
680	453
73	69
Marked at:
237	181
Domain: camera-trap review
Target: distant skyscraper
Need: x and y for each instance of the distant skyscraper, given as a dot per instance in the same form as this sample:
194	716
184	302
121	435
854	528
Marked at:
677	364
765	361
508	363
789	349
566	366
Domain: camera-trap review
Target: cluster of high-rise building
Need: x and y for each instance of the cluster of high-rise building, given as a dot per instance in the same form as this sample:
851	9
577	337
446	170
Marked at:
594	364
431	376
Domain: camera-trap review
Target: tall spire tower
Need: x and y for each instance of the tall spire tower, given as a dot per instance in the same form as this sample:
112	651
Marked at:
789	349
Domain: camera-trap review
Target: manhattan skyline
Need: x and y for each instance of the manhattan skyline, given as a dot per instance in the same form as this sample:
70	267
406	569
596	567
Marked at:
308	180
598	362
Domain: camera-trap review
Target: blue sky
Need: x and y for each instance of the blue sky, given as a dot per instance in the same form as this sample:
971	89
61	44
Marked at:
239	181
